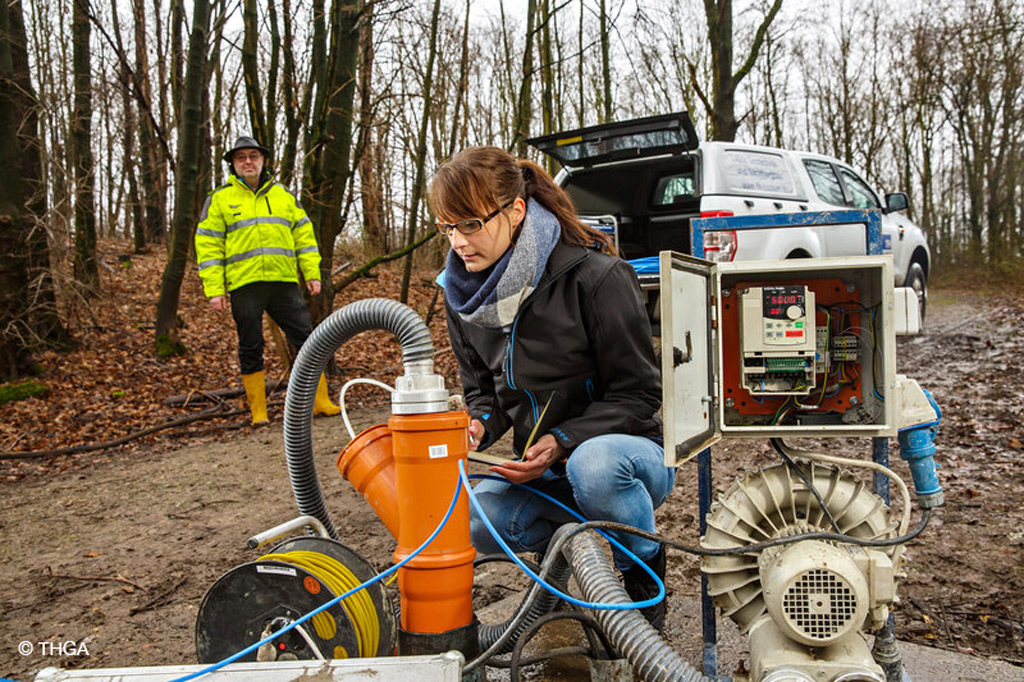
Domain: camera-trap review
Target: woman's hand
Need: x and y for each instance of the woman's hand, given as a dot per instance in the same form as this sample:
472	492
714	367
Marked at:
476	433
538	459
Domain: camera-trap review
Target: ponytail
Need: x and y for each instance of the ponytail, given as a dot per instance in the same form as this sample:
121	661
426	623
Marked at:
540	186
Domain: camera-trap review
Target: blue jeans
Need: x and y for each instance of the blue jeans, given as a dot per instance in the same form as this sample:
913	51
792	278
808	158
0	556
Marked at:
613	477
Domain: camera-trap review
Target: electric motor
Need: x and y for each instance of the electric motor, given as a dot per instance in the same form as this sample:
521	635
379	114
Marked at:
805	604
814	591
774	503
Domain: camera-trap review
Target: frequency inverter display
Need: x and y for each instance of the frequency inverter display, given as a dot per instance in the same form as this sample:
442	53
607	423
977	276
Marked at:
778	340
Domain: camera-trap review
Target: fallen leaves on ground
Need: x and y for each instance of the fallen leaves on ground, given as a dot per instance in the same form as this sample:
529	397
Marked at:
113	384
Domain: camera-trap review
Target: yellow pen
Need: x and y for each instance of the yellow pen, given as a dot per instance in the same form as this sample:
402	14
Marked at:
533	434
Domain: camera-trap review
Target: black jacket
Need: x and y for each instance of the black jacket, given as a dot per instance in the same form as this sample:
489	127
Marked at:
580	346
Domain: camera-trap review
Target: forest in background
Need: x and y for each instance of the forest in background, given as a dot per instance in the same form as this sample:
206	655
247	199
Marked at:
119	131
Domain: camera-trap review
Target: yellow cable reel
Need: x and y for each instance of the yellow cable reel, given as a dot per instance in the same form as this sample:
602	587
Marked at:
297	577
339	580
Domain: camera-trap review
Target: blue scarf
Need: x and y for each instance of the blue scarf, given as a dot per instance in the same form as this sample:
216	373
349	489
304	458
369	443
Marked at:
491	298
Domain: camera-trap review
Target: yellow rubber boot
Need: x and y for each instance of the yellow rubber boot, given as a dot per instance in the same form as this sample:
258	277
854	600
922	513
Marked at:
322	403
256	394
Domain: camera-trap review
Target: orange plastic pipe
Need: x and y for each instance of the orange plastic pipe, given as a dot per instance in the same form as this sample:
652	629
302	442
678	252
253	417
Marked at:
408	470
437	585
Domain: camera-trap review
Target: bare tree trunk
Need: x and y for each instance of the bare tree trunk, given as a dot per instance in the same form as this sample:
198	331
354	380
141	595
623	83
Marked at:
775	137
374	228
275	64
114	178
177	58
216	122
312	108
44	317
161	64
152	179
722	109
86	270
292	122
605	100
133	203
15	357
579	72
421	151
250	67
337	147
461	88
185	199
547	77
524	112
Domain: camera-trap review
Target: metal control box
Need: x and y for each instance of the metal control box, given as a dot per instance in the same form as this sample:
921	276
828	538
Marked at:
776	349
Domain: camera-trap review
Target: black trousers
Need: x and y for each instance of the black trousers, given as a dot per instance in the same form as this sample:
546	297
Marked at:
284	303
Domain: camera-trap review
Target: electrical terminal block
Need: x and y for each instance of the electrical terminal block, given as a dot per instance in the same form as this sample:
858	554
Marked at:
845	348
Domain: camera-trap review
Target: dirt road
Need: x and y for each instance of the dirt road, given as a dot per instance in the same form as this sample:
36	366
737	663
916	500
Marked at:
116	556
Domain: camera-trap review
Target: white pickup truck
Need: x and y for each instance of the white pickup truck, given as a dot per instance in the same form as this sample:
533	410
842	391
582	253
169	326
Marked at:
644	179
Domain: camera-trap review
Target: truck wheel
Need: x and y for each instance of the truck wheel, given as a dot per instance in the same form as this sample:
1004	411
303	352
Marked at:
917	281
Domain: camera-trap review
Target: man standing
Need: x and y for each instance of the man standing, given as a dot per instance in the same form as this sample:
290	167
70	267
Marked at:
252	238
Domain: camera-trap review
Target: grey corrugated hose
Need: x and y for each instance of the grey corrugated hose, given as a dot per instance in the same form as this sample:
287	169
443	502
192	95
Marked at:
643	646
355	318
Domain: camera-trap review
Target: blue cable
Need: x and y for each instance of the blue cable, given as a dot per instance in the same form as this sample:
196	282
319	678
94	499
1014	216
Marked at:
336	600
600	606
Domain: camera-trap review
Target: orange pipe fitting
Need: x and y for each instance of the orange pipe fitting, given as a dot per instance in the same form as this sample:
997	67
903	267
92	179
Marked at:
368	464
408	471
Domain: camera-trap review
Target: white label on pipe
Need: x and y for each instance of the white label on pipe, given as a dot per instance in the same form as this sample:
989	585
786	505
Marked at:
437	451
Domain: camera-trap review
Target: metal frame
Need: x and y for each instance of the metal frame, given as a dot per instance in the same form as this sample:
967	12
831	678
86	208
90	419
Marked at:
871	218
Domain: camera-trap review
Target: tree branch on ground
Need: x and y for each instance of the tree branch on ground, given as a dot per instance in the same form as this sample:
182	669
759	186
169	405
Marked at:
217	411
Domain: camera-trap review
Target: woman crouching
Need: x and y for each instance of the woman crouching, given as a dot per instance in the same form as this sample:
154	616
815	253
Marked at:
552	341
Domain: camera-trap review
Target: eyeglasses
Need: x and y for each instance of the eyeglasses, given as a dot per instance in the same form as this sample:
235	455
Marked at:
472	224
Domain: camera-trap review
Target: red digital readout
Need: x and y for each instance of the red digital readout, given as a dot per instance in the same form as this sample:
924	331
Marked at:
777	301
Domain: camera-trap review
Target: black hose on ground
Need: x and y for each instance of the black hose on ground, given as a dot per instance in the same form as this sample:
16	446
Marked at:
541	604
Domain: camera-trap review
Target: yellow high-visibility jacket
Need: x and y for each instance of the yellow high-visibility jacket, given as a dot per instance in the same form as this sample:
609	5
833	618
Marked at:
246	236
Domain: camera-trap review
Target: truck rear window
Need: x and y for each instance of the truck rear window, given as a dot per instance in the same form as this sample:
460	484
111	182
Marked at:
605	190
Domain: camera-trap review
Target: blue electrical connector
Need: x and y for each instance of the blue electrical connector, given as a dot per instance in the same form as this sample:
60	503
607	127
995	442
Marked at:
917	447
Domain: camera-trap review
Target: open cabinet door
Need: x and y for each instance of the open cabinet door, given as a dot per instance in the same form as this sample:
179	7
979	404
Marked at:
687	356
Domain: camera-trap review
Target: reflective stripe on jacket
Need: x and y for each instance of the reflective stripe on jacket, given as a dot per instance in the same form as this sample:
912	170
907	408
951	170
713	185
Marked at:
246	236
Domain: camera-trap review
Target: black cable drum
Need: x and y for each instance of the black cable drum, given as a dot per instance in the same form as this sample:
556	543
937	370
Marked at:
240	605
363	571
